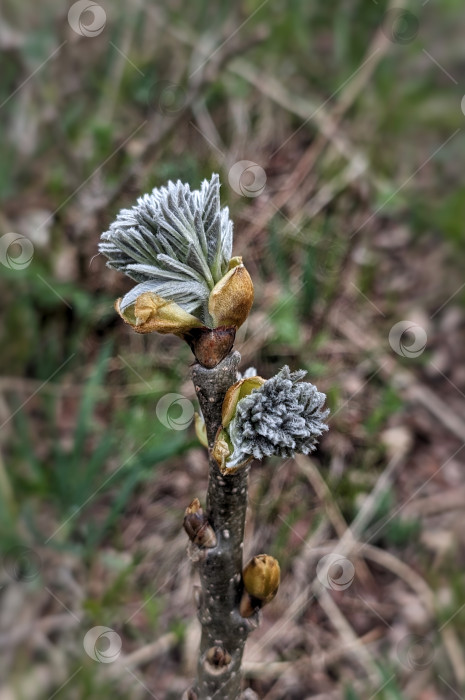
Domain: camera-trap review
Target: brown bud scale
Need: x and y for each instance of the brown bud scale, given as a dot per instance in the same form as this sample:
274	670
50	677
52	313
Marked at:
197	527
210	346
262	577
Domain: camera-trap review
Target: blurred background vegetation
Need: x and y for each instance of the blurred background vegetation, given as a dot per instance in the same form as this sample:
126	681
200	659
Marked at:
354	110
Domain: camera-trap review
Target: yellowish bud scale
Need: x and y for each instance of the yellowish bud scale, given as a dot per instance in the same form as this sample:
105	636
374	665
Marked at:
231	298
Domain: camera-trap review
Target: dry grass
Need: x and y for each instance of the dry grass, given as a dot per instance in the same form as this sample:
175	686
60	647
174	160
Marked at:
359	227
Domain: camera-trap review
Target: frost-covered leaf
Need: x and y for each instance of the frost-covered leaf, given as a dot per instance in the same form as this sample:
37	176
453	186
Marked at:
282	417
175	242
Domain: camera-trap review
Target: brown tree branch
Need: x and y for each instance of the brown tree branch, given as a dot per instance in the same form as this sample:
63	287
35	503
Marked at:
224	631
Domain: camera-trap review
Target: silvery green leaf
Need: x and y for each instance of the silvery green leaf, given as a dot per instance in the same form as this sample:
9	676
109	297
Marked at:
282	417
180	292
177	241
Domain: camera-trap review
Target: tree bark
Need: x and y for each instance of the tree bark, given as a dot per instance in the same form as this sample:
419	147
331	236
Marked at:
224	630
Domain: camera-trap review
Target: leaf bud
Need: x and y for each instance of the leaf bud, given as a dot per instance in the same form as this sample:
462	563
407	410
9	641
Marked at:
221	451
200	429
198	529
261	576
210	346
231	298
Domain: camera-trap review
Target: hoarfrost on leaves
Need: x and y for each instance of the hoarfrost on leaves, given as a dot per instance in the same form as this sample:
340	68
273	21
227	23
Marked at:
174	242
283	417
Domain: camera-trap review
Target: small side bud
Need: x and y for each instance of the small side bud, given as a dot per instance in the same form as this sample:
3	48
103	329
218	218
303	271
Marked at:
200	429
216	660
231	298
198	529
218	657
261	577
222	449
